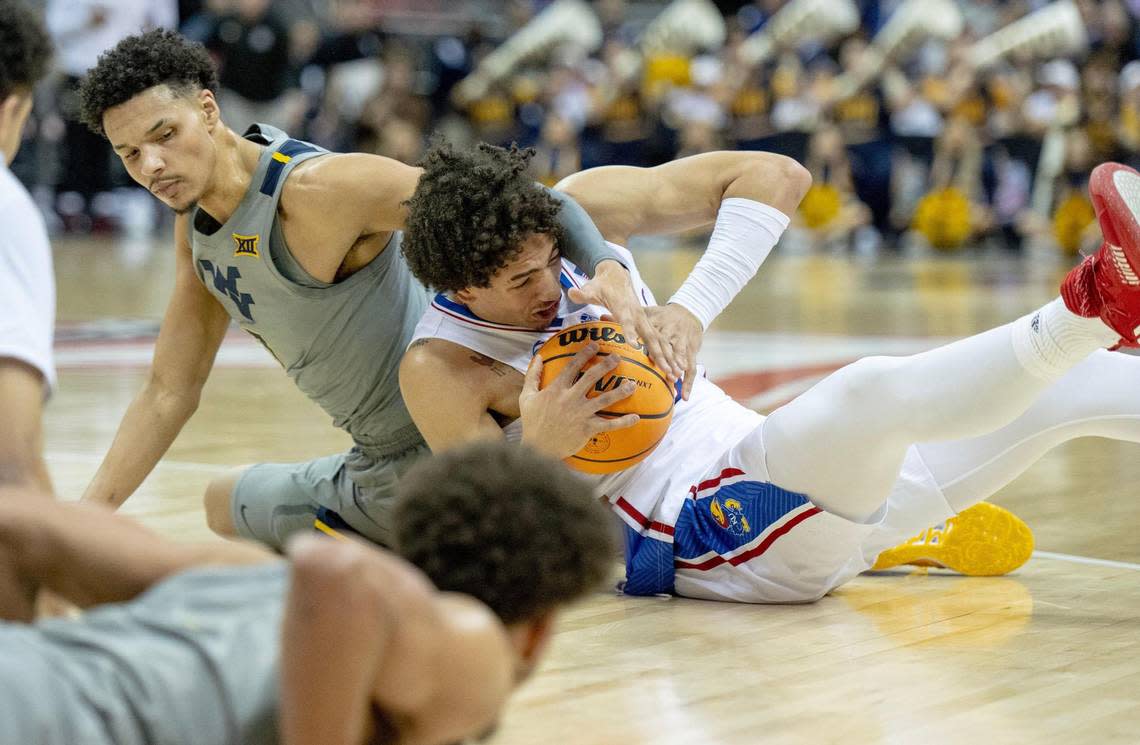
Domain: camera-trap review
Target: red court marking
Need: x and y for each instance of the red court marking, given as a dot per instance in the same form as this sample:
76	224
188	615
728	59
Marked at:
743	386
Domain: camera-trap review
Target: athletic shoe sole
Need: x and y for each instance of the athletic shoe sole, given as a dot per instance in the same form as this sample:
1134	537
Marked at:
1115	193
982	541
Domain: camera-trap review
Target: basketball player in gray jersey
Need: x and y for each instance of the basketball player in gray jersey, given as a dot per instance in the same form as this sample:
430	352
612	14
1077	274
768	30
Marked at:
339	644
301	248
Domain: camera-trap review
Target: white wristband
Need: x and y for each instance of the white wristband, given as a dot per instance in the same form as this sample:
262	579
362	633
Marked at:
742	238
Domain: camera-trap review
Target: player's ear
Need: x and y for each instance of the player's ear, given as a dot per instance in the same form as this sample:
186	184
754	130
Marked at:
209	106
9	105
464	296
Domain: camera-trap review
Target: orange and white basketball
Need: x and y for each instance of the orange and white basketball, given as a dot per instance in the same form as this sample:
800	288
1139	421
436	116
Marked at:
652	398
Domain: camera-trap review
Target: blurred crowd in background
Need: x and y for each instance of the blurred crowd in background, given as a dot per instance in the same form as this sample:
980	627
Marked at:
929	153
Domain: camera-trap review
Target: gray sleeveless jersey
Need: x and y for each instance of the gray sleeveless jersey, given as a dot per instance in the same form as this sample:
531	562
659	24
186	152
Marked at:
193	660
340	343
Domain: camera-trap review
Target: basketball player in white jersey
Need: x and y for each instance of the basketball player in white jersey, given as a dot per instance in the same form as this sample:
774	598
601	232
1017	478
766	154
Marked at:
732	505
27	287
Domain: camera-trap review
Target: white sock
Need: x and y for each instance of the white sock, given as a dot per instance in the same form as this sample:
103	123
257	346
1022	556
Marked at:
1051	340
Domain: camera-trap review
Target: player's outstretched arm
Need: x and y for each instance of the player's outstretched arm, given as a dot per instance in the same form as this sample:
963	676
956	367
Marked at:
416	666
88	555
683	194
188	341
750	195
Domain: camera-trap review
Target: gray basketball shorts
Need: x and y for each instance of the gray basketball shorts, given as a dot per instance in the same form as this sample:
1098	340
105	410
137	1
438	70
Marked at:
271	501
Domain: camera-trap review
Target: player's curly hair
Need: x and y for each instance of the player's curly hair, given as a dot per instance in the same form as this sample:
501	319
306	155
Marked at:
140	62
25	49
470	213
514	529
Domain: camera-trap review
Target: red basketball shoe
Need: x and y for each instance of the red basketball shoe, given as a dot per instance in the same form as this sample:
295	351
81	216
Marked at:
1107	284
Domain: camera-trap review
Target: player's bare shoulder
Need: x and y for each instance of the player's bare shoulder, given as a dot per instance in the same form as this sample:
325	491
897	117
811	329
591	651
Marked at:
342	184
316	184
437	358
474	653
440	356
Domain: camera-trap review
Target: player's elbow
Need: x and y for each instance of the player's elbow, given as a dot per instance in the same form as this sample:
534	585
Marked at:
786	175
776	180
173	398
569	185
796	176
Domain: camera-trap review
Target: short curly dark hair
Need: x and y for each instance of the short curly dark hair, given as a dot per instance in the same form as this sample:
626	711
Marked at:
506	525
139	62
470	213
25	49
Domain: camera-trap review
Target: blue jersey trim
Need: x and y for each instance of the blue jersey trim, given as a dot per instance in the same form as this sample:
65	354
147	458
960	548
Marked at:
288	148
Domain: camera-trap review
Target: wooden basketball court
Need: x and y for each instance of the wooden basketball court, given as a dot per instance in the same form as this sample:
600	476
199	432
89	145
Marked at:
1048	654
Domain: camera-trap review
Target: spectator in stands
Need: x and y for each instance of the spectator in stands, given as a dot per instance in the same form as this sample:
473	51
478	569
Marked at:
81	30
953	210
252	47
1128	121
831	212
557	155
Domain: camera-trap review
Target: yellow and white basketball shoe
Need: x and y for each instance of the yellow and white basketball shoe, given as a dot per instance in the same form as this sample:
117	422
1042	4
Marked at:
981	541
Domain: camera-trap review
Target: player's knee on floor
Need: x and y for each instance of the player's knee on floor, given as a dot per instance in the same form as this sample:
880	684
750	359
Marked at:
218	502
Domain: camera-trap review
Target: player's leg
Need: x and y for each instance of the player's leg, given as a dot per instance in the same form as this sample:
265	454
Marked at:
794	552
844	441
268	502
366	490
1096	399
219	502
89	555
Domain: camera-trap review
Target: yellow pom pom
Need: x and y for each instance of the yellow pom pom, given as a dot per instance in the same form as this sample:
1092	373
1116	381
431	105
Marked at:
666	68
943	218
1073	215
820	205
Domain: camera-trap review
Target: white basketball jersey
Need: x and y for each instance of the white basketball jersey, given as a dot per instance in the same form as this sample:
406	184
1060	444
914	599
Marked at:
647	496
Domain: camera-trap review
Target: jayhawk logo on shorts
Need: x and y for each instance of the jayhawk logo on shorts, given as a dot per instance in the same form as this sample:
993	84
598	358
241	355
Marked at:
245	245
730	516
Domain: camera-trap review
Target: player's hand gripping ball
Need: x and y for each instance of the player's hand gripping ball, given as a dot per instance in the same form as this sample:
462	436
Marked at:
652	399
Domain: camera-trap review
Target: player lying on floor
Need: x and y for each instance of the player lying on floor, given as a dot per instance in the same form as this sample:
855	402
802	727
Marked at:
732	505
340	643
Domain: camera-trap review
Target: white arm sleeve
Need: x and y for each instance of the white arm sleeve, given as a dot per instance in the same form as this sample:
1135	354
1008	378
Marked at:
742	238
